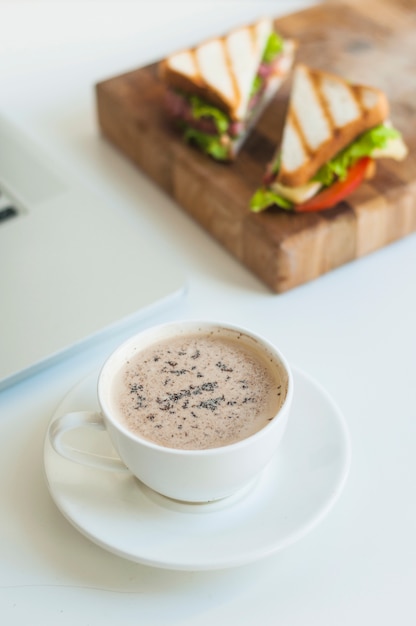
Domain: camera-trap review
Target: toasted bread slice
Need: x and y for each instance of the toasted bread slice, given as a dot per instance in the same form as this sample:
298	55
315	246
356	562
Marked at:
221	70
325	114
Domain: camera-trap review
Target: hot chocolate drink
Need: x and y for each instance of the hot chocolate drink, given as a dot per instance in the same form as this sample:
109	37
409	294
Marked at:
199	390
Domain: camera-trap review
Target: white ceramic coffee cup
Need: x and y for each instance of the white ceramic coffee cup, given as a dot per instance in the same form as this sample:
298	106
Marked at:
199	475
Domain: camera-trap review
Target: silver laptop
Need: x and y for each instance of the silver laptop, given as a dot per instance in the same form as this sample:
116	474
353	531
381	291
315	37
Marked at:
70	268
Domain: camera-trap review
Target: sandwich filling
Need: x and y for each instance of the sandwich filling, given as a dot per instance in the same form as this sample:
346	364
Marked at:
210	128
335	179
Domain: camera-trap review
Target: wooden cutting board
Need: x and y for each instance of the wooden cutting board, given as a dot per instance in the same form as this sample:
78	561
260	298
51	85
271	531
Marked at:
372	42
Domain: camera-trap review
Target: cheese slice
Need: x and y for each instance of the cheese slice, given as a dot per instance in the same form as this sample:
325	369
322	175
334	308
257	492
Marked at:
395	149
297	195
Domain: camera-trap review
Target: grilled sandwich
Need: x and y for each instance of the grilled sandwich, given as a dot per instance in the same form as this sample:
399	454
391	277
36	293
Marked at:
334	131
217	90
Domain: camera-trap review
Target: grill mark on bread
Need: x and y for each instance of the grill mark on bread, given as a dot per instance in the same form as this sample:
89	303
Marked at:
294	120
253	33
229	66
356	93
317	86
198	75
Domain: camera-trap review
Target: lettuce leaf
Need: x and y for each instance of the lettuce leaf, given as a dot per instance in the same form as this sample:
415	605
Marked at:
264	198
275	166
210	144
376	137
256	86
200	108
274	46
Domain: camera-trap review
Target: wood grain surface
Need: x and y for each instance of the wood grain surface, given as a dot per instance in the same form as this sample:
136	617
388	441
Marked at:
371	42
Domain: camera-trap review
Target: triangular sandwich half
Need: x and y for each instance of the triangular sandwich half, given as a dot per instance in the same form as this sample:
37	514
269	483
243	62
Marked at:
333	133
217	90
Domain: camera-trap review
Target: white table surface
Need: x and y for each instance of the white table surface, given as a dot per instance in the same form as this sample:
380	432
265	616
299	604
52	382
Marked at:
353	330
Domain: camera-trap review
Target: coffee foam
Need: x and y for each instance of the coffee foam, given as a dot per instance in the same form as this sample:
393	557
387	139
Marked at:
199	390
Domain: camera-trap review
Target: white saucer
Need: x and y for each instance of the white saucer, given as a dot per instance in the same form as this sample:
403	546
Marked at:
292	495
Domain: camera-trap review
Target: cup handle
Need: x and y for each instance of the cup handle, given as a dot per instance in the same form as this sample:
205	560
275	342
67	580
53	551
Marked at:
81	419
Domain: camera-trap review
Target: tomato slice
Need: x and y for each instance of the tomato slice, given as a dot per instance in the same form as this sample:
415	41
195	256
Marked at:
339	190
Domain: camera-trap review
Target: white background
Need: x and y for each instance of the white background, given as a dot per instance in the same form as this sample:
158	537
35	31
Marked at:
353	330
